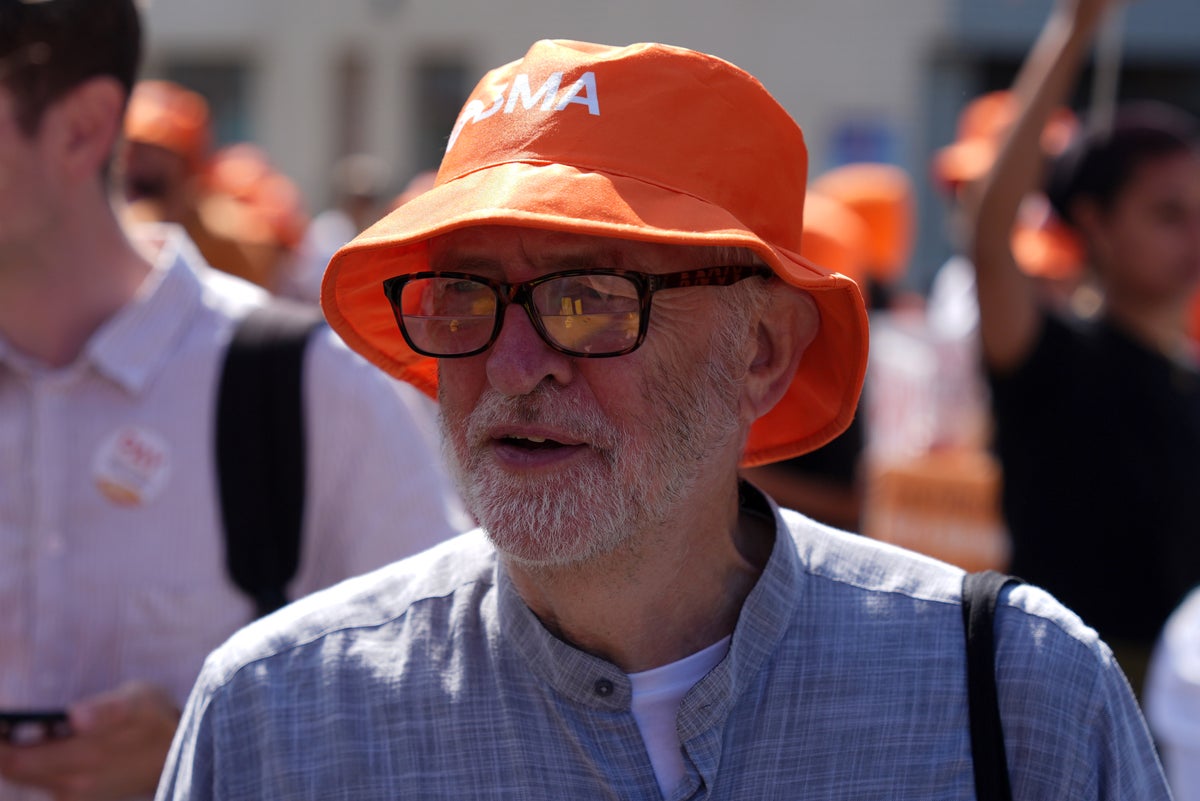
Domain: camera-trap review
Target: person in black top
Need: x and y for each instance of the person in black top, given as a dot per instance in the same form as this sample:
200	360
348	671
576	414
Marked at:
1098	421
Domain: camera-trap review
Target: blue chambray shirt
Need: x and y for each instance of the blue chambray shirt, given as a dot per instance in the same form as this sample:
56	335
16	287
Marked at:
431	679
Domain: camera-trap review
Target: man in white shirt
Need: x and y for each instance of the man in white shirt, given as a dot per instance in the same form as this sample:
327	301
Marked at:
113	576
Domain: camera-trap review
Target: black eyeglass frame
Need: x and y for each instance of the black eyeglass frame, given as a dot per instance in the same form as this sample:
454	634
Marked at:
521	293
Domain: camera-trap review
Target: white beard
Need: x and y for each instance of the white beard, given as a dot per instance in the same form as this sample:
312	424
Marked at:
597	505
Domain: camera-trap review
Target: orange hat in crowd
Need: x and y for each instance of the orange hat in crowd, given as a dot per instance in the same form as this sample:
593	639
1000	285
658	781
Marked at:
268	207
835	236
981	128
645	142
174	118
1044	246
884	197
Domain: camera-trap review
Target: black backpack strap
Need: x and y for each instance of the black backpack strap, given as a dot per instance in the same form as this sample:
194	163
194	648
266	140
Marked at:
980	593
260	449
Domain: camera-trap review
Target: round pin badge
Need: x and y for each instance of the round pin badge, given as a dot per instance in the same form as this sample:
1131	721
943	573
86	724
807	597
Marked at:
131	466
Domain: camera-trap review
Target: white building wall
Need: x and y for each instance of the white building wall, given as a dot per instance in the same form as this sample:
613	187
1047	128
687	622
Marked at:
825	60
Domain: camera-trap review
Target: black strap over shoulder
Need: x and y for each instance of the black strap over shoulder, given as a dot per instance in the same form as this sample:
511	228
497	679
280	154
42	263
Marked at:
981	592
260	449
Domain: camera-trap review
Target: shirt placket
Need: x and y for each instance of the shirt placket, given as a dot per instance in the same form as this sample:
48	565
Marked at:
48	610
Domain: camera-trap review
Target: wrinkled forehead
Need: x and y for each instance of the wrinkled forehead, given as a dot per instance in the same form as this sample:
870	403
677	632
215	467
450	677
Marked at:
497	247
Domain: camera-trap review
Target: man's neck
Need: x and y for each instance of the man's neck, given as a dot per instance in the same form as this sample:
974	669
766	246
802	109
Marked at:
56	292
672	592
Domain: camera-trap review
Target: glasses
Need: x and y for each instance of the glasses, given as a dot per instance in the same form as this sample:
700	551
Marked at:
584	313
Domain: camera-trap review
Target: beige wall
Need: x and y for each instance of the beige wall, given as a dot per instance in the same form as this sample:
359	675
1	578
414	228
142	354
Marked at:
825	60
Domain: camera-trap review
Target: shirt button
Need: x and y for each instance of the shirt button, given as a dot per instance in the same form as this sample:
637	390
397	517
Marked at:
603	688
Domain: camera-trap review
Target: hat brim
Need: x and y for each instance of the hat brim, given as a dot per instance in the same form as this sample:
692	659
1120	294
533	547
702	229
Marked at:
818	405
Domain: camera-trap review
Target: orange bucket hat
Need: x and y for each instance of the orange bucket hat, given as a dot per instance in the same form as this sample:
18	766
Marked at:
174	118
981	126
884	197
646	142
1042	245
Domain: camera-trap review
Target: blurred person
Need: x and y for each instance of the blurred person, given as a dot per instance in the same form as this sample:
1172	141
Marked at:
933	482
251	202
1050	251
162	160
1172	698
875	250
884	197
358	184
1098	421
113	577
615	313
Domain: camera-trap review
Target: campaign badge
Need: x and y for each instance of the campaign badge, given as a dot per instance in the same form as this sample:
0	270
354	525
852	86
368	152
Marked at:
131	466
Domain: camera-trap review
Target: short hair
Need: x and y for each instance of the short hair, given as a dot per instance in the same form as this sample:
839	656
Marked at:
1099	164
48	47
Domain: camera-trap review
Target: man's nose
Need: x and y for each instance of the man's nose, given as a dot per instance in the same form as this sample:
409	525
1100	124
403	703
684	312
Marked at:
520	359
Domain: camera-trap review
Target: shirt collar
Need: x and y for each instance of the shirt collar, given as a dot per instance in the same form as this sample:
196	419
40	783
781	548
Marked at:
577	675
762	624
592	681
134	345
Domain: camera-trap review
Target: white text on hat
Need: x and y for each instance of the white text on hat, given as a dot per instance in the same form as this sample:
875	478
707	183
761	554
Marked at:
476	111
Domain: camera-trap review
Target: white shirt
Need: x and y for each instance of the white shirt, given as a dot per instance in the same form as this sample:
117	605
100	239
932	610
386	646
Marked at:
111	549
657	694
1173	699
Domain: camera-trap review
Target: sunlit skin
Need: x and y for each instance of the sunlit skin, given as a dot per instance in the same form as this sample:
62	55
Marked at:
57	224
1146	247
693	566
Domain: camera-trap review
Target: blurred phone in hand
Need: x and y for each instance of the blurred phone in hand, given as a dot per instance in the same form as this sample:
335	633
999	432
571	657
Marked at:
33	727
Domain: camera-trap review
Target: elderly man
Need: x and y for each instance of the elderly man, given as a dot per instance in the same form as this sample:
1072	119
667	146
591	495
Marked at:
605	289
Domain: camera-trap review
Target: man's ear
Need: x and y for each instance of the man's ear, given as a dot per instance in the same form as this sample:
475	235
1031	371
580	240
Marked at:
85	124
785	330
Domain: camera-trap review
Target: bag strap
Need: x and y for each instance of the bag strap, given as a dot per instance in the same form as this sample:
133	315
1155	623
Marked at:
260	449
980	594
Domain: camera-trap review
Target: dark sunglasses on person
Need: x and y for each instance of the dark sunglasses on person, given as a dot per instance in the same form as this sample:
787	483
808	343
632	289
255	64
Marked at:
583	313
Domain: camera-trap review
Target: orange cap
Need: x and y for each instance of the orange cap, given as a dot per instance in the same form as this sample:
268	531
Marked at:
834	236
167	115
270	207
1042	245
235	169
883	197
981	126
646	142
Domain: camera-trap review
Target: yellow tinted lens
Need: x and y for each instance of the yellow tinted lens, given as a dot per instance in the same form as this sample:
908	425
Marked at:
589	314
448	316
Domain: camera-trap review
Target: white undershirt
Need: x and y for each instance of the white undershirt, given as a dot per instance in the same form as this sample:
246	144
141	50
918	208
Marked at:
657	694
